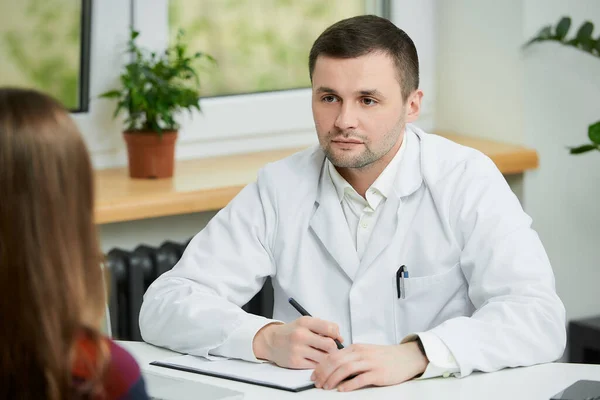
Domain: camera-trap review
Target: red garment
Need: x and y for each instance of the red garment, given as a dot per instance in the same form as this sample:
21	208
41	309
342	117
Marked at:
122	379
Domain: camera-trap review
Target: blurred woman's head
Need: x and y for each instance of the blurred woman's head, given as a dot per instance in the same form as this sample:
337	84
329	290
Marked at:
50	276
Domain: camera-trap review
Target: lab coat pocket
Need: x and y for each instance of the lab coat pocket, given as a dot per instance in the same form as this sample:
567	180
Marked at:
430	300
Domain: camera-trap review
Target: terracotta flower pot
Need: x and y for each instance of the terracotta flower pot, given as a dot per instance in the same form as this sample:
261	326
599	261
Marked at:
149	155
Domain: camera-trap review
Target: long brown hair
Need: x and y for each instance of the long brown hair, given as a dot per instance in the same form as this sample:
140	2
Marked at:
50	276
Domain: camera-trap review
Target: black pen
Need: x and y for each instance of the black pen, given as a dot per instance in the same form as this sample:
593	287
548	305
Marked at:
305	313
401	275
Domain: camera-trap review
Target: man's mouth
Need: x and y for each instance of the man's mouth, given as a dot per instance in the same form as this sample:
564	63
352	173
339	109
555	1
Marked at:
347	141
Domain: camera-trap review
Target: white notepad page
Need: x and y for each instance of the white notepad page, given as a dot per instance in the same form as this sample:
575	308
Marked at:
262	373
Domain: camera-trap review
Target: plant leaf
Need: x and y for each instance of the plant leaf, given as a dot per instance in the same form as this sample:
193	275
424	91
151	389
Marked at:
544	34
562	28
594	133
584	34
111	94
583	149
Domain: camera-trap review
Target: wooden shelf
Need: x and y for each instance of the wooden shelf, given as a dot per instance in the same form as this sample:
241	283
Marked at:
509	158
210	183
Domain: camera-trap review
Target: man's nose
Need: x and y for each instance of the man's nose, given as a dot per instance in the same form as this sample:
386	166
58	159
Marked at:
347	118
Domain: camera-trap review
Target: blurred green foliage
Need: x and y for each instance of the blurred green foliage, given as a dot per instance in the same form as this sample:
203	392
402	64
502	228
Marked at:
40	46
260	45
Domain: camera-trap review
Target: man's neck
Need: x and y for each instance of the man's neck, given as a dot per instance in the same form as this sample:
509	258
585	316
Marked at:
362	178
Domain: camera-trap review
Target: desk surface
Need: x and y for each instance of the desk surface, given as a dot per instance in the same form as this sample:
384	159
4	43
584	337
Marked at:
210	183
537	382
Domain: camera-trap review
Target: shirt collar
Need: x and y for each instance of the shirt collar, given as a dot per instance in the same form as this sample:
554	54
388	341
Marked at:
379	190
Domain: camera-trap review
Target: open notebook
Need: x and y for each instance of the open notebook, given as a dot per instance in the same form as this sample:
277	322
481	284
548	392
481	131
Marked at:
264	374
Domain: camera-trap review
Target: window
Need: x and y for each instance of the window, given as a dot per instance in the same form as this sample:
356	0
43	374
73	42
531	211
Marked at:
267	113
259	45
45	44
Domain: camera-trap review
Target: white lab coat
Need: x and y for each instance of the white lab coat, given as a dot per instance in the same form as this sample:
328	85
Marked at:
479	277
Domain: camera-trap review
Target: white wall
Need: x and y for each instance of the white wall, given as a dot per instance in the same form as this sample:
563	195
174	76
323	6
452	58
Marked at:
479	73
543	97
562	94
417	19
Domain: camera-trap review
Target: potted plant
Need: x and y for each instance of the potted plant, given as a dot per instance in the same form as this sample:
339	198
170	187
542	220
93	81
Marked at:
153	89
583	41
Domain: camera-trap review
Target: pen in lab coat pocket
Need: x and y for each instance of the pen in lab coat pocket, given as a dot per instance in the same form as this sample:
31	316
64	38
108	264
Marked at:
401	274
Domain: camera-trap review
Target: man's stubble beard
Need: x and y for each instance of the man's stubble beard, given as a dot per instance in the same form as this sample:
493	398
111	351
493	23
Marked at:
367	156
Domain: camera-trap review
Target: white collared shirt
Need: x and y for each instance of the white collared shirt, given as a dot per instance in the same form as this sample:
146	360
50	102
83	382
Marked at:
362	212
361	215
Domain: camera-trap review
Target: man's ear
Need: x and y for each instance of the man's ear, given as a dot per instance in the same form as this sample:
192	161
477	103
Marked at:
414	105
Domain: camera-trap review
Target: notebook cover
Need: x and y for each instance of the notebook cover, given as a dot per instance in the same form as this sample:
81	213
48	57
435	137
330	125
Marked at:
232	378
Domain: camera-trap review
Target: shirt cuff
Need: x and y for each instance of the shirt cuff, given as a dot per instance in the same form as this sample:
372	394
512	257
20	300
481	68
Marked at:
441	361
239	342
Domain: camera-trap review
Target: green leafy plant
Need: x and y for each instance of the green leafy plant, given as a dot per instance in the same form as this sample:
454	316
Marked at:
155	87
583	41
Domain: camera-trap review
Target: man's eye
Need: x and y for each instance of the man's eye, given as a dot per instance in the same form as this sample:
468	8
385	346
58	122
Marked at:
369	102
328	99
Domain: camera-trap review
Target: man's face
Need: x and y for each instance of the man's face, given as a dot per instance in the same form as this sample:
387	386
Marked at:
358	109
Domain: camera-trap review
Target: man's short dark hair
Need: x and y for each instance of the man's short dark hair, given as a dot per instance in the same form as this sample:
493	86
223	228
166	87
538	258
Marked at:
356	36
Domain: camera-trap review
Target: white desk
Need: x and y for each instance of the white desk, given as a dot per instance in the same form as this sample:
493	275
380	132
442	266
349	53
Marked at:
537	382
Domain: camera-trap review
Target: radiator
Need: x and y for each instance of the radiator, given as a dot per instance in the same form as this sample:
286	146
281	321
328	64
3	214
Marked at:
130	272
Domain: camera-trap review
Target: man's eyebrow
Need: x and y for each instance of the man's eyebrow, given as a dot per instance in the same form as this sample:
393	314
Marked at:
371	92
363	92
325	89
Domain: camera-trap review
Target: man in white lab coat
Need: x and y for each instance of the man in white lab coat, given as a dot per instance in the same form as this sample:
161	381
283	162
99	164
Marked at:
408	248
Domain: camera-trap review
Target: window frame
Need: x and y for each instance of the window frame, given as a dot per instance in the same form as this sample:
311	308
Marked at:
85	50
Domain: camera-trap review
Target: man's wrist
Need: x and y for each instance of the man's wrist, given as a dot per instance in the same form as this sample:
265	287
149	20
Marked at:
420	360
421	347
261	343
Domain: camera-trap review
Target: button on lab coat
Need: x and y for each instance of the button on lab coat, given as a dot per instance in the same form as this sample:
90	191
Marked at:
479	278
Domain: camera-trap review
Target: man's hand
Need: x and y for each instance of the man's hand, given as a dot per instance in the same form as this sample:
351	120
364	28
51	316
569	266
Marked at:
301	344
368	364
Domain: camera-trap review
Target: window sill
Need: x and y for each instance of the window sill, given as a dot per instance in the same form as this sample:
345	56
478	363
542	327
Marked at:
210	183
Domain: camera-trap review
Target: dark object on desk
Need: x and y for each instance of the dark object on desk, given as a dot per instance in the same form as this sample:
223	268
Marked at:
580	390
584	341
